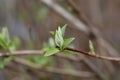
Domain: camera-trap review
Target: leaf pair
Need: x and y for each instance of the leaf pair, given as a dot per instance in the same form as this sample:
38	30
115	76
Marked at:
6	45
5	42
60	42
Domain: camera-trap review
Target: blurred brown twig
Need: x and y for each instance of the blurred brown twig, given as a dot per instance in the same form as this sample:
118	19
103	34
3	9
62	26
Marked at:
39	52
54	70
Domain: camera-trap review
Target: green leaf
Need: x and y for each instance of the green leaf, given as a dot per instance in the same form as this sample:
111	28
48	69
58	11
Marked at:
11	46
59	31
2	63
51	52
59	38
2	41
8	59
41	60
63	29
5	34
1	36
91	47
52	33
4	60
67	42
51	43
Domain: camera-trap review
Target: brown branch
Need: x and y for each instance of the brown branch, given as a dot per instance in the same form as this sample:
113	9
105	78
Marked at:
78	24
94	55
22	52
40	52
93	33
35	52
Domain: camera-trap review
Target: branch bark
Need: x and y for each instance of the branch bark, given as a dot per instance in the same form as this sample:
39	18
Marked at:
94	55
39	52
35	52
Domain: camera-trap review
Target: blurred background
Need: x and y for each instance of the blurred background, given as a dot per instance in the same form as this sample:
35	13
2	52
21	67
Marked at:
32	20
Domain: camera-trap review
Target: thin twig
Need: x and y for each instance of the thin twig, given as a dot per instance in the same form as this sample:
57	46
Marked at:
79	25
94	55
39	52
35	52
94	32
54	70
22	52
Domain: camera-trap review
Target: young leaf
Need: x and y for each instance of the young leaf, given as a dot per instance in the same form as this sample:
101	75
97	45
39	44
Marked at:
52	33
41	60
2	41
59	31
59	38
11	46
91	47
51	43
67	42
5	33
4	60
2	63
51	52
8	59
63	29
